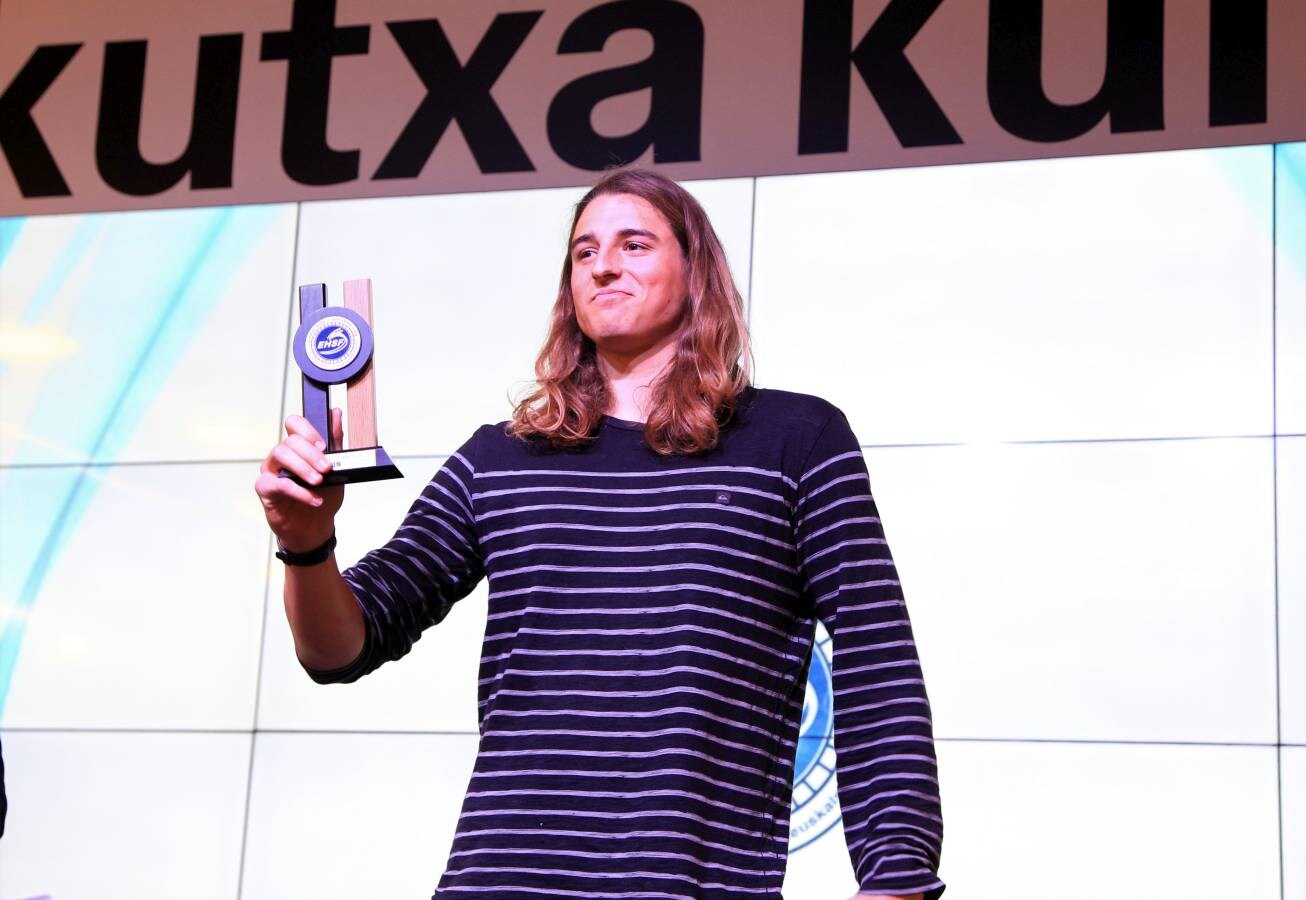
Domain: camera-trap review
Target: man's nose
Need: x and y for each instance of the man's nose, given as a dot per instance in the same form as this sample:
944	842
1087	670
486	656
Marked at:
607	263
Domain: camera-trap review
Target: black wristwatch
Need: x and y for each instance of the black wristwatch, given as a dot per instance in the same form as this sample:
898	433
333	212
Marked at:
309	558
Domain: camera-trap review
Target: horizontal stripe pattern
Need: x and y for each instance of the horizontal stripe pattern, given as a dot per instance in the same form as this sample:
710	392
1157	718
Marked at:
649	626
887	774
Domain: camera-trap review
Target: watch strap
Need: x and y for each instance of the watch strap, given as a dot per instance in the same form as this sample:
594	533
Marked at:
309	557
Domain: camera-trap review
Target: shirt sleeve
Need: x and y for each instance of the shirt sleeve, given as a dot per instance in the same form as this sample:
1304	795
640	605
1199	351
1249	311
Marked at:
408	585
883	736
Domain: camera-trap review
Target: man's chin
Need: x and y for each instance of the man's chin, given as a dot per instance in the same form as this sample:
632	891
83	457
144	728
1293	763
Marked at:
616	341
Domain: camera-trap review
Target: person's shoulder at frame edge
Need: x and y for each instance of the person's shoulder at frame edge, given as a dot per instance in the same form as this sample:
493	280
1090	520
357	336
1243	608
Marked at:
806	412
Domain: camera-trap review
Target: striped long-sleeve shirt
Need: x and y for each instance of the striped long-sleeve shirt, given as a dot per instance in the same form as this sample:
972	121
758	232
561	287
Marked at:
649	631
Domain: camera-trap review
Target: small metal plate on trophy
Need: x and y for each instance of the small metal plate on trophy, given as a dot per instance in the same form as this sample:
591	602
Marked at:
333	345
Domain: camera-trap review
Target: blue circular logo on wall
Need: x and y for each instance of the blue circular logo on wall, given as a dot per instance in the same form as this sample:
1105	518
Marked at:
814	809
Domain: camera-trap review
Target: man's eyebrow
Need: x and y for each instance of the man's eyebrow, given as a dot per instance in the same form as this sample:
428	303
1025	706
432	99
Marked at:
636	232
624	233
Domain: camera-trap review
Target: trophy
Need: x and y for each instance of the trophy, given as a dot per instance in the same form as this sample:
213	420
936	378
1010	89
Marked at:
334	346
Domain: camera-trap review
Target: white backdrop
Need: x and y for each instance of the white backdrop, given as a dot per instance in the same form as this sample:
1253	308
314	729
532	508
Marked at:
1081	389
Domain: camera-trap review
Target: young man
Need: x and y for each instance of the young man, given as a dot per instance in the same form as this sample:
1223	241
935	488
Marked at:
659	539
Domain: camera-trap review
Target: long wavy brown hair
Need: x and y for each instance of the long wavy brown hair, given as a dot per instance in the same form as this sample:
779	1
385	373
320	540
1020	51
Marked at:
696	394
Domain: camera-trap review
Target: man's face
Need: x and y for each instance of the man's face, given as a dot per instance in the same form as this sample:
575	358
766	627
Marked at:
627	275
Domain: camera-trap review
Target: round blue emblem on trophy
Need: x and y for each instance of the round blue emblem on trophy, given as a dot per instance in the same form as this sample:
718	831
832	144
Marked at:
333	344
814	809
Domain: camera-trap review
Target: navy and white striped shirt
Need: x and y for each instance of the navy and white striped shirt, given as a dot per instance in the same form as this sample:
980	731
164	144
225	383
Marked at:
649	631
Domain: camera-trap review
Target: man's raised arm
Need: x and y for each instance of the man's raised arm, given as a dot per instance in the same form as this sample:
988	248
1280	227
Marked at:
324	616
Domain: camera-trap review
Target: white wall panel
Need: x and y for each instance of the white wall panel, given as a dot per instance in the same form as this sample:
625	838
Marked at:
463	285
1290	286
222	398
821	869
1293	786
124	816
350	816
38	248
1292	588
1032	821
1078	298
145	336
431	689
1097	590
729	204
43	278
148	602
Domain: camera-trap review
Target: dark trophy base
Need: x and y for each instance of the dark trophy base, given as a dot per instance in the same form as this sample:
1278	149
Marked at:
355	466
